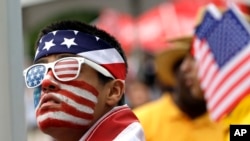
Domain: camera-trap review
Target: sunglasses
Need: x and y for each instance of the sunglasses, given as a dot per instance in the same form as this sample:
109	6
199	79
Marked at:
65	69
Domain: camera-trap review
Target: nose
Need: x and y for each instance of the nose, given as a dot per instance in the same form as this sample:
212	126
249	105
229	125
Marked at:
187	64
49	83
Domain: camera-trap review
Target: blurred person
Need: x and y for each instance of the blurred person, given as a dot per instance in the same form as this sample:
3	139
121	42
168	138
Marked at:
137	93
237	113
179	115
140	82
78	78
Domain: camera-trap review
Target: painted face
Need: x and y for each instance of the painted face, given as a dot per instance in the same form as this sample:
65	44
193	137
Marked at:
72	105
69	104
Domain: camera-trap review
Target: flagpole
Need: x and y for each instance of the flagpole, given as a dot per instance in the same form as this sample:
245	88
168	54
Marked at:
12	115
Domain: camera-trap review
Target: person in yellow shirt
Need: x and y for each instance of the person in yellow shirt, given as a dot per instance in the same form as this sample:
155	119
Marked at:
179	115
240	114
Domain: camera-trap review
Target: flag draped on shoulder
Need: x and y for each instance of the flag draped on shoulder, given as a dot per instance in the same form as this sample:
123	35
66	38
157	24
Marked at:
222	49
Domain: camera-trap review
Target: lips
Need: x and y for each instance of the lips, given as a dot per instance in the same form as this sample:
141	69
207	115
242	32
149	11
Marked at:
48	100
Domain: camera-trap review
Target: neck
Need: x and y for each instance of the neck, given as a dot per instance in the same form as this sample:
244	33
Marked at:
193	108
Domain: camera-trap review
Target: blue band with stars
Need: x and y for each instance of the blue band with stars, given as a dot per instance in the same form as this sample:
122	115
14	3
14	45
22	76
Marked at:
68	41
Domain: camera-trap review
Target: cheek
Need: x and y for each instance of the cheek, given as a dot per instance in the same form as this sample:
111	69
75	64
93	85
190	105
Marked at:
196	90
76	108
89	76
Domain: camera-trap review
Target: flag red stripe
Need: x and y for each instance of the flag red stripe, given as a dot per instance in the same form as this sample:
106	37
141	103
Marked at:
230	106
83	85
208	67
240	63
211	88
227	92
66	68
68	109
67	75
117	70
60	123
77	99
119	119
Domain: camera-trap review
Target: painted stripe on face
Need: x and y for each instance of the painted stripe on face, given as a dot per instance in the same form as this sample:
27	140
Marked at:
77	105
74	105
62	116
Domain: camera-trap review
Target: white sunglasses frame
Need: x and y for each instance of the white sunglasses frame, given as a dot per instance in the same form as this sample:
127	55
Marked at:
80	61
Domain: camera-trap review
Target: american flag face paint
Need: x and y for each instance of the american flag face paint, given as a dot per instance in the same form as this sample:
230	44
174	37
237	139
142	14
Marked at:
65	69
71	106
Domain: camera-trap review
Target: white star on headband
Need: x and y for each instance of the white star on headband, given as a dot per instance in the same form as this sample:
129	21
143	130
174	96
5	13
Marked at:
68	42
75	31
97	38
37	51
54	32
49	44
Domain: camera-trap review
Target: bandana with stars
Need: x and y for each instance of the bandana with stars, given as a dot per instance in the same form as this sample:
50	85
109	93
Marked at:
85	45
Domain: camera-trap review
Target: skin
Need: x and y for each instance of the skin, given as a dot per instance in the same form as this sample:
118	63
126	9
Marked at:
107	95
188	95
190	71
138	94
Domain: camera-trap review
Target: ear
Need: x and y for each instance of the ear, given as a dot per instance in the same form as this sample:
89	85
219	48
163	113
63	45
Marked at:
117	88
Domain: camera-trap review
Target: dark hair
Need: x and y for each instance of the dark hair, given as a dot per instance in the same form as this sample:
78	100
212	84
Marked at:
89	29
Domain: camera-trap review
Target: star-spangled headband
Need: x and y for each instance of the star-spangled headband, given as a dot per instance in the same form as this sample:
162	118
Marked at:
85	45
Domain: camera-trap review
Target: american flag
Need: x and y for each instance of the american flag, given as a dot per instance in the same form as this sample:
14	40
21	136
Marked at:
35	75
223	57
85	45
66	69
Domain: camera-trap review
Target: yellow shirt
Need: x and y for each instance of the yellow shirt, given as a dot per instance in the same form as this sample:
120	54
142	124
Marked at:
240	115
163	121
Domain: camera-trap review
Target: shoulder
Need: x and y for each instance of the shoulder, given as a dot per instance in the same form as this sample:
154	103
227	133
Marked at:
132	132
153	112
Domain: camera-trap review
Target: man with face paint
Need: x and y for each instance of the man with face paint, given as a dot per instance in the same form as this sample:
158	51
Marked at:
78	78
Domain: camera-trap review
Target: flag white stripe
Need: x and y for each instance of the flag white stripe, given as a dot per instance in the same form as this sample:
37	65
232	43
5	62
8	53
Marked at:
72	103
62	116
104	56
227	84
130	132
197	45
77	91
237	92
59	66
205	61
224	71
80	92
62	72
210	76
229	80
205	66
213	10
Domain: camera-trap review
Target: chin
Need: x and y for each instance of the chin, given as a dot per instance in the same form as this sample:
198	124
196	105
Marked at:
49	125
64	133
197	93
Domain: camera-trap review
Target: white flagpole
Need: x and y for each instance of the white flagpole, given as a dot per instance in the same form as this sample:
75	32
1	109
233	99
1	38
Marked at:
12	113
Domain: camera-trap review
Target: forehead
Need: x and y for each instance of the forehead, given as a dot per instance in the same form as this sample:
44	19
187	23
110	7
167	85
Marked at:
54	57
